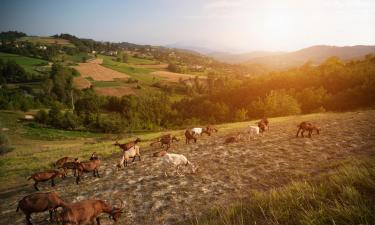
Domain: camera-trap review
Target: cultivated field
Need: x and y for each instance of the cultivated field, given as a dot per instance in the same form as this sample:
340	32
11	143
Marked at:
115	91
47	40
98	72
172	77
29	64
225	172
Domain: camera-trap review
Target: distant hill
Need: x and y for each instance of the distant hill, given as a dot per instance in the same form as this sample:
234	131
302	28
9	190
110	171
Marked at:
316	54
240	58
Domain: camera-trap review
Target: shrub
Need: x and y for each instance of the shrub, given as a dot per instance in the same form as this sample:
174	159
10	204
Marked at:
276	103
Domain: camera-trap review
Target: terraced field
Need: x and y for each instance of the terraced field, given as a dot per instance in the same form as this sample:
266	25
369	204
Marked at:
226	172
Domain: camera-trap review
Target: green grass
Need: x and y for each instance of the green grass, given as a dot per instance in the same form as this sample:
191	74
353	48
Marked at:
343	196
50	134
108	83
141	74
29	64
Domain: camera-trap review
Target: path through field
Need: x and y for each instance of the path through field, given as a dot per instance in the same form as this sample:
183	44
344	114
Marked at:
225	172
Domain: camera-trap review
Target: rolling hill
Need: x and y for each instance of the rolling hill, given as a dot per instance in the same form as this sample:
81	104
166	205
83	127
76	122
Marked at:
316	54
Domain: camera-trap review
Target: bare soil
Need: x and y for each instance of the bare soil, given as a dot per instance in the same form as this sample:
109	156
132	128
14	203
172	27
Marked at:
226	172
98	72
115	91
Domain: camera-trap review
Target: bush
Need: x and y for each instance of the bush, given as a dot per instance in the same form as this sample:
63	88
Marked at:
42	116
276	103
240	115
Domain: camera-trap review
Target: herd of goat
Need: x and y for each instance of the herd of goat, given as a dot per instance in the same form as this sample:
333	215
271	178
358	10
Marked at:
88	211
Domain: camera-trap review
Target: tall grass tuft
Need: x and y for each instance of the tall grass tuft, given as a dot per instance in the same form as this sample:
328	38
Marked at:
344	196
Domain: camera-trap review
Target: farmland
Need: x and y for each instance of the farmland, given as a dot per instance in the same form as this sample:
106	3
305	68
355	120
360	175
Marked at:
28	63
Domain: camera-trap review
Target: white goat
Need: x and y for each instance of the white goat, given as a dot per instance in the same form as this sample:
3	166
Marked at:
133	152
197	130
253	130
176	160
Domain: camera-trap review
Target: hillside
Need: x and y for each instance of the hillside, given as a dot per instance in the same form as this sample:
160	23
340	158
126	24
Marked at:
240	58
315	54
225	172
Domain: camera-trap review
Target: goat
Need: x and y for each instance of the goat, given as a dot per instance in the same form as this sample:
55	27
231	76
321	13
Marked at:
133	152
189	136
307	126
232	139
63	160
165	140
199	131
253	130
176	160
211	128
87	211
90	166
46	176
128	145
70	166
40	202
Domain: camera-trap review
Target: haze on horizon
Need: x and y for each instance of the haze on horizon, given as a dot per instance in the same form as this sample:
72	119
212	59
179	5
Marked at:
221	25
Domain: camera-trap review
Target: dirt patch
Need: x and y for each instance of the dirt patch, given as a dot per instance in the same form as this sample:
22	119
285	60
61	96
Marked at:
115	91
225	172
81	82
98	72
172	77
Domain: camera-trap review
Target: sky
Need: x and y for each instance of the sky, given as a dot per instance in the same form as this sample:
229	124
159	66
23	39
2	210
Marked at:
220	25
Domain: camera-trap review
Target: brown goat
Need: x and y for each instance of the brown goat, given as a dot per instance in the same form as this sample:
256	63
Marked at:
128	145
70	166
87	211
263	125
233	139
211	128
165	140
307	126
90	166
40	202
46	176
189	136
63	160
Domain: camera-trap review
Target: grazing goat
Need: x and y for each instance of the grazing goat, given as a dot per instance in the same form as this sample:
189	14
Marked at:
165	140
88	211
189	136
211	128
199	131
133	152
128	145
253	130
70	166
46	176
233	139
90	166
307	126
40	202
176	160
263	125
63	160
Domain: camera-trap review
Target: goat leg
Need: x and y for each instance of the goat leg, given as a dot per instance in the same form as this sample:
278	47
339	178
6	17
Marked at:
98	220
36	185
53	183
28	217
97	172
299	129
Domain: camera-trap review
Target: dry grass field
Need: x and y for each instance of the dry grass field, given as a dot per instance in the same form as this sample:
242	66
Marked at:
226	172
115	91
172	77
81	83
98	72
